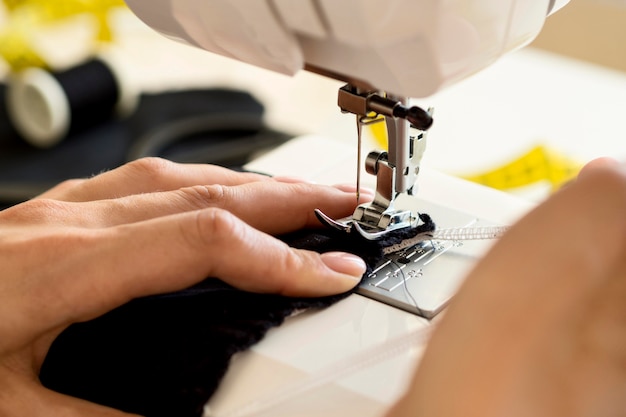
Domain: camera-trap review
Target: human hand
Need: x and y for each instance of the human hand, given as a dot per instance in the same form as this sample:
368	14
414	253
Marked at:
88	246
539	327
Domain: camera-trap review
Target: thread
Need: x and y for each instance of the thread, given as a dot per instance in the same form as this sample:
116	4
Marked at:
46	107
455	234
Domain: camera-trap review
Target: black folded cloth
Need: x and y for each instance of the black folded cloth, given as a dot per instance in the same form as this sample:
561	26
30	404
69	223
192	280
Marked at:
217	126
164	355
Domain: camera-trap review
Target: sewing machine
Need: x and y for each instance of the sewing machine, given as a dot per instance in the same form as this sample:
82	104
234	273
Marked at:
406	48
386	54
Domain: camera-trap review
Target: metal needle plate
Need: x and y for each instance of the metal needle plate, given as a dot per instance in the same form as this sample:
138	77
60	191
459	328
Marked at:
422	279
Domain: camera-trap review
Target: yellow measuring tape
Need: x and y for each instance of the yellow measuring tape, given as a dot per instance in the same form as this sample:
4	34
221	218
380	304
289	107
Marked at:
27	16
539	164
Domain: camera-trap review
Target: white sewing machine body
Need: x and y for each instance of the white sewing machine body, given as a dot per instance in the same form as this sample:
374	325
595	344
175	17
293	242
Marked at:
410	48
386	54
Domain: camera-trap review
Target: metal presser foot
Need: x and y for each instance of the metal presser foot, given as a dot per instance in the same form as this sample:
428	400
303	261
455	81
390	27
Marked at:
347	224
421	272
396	170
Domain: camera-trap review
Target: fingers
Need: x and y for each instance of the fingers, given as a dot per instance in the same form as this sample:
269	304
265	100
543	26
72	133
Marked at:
269	206
62	189
126	195
148	175
170	253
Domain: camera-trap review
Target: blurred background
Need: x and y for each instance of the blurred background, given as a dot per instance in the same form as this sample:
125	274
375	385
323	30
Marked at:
525	125
590	30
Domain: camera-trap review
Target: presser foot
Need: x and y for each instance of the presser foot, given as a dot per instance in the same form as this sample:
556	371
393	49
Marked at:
366	230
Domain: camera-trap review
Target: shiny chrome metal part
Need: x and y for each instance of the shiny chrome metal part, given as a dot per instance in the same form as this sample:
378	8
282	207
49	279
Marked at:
369	233
396	170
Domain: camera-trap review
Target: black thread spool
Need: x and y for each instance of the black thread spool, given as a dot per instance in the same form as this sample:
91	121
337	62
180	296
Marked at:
46	107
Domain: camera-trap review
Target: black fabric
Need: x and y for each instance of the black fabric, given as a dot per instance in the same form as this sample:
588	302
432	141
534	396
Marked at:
26	171
165	355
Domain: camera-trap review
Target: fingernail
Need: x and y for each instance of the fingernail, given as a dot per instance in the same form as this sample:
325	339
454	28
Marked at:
345	263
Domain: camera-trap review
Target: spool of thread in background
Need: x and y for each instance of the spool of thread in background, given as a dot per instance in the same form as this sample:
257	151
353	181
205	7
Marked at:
46	107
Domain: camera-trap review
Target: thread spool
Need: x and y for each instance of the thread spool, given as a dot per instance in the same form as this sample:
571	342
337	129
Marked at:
46	107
